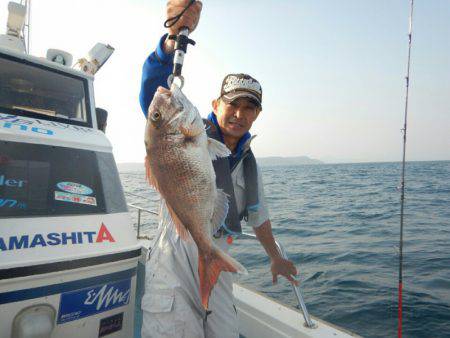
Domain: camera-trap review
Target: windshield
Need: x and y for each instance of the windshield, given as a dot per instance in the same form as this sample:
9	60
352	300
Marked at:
41	92
41	180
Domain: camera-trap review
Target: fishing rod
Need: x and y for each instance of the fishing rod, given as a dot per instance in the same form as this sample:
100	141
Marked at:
181	43
402	186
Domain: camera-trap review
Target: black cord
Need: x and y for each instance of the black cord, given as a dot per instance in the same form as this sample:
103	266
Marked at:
173	20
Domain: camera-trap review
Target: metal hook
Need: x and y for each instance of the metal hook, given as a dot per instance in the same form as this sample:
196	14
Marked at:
171	79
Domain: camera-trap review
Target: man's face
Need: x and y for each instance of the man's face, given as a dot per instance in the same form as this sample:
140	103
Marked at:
235	118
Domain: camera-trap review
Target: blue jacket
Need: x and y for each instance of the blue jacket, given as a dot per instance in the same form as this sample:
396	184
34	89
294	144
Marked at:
157	68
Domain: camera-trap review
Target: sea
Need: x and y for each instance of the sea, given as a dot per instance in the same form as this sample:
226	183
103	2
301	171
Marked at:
340	225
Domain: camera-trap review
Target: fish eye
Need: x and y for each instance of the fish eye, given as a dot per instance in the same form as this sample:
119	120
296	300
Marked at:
156	116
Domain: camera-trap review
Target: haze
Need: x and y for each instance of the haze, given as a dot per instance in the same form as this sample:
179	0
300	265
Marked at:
332	72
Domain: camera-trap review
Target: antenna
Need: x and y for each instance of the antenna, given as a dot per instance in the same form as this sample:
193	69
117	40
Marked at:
26	26
402	186
13	39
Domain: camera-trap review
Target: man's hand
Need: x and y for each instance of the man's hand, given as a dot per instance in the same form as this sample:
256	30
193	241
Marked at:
189	19
284	267
280	266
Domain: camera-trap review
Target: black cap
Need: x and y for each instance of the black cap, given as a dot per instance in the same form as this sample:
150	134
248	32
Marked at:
241	85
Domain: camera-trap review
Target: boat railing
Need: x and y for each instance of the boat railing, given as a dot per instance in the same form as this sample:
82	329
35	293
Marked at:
297	291
139	212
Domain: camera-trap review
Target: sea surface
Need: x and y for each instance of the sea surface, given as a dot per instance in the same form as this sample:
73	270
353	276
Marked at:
340	225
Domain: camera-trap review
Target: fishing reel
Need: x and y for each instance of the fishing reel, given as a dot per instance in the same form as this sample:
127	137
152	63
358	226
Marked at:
181	42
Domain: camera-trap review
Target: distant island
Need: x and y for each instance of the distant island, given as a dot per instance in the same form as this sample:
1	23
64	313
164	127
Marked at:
131	166
262	161
283	161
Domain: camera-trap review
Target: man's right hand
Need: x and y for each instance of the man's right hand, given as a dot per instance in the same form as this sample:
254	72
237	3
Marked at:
189	19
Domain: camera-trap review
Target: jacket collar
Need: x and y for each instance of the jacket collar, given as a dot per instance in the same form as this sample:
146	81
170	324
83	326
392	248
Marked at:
243	144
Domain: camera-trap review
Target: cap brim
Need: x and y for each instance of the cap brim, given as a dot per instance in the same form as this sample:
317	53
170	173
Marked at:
230	97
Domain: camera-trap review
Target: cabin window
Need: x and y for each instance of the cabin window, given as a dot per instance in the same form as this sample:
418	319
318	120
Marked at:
41	180
112	188
41	92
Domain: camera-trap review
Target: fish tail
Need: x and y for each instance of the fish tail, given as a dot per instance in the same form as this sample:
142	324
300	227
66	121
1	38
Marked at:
209	267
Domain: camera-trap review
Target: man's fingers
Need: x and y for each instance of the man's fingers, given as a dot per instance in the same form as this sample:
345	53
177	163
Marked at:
294	271
189	19
180	3
286	268
292	280
198	6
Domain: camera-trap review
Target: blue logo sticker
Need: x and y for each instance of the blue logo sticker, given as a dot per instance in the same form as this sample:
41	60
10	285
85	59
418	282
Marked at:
96	299
11	203
74	188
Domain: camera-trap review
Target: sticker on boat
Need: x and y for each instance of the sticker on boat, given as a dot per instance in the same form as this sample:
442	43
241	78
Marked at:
75	198
29	241
92	300
110	325
74	188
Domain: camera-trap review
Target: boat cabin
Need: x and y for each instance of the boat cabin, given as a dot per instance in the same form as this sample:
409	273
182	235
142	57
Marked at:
68	250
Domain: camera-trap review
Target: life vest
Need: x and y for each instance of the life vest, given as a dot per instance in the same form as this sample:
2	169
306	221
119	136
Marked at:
224	182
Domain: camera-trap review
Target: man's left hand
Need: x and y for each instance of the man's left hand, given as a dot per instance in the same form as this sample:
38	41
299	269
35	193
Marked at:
284	267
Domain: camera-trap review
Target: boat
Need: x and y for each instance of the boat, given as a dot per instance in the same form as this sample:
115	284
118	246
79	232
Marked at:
72	262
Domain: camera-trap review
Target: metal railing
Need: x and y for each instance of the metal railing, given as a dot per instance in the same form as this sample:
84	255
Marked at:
297	291
139	211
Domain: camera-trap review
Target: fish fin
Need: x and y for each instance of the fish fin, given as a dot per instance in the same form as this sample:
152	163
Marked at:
192	130
217	149
148	174
179	226
220	209
164	213
209	267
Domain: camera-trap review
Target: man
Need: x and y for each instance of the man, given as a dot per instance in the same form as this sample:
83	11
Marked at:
171	304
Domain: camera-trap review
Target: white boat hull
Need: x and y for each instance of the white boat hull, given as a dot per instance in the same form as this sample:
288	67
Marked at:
262	317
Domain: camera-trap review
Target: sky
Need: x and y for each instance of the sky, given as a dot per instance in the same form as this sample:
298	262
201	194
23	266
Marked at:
332	72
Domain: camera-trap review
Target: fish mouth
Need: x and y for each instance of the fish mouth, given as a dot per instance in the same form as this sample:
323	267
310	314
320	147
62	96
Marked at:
163	91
